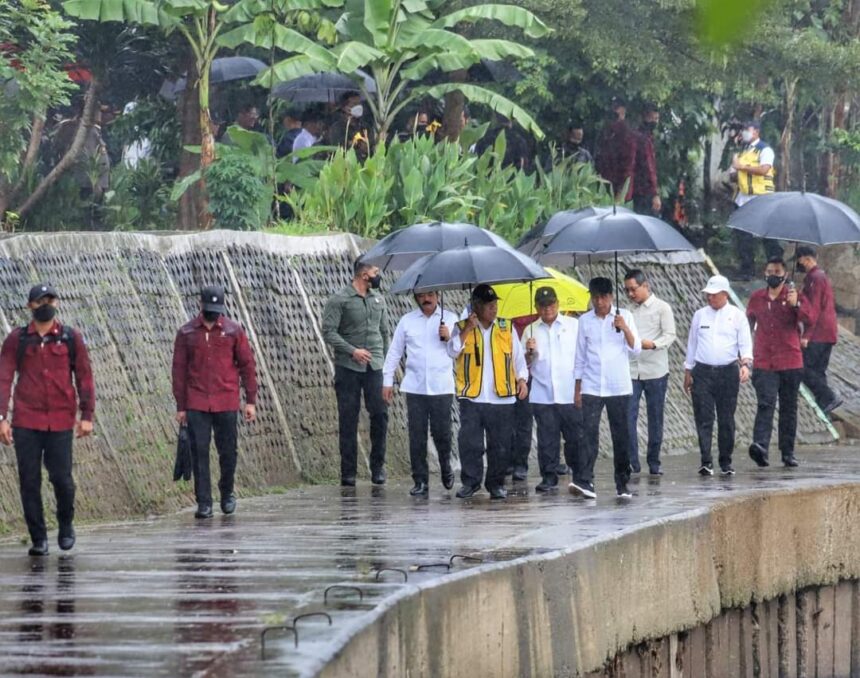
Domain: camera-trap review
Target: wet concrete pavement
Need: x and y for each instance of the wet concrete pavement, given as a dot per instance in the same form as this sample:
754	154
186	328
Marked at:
177	597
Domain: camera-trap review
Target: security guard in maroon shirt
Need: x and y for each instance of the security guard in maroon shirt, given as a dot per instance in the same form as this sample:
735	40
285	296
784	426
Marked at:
210	355
51	361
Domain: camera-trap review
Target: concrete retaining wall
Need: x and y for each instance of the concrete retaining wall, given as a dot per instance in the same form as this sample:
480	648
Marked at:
571	612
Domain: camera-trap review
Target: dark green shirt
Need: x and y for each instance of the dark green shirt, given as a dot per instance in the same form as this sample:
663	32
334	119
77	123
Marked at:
351	321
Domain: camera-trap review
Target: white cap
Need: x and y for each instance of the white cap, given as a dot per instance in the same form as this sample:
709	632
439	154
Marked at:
717	283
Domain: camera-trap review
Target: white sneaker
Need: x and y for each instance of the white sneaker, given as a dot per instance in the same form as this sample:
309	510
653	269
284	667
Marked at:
582	489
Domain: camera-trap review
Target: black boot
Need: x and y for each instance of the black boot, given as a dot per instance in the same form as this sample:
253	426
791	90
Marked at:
66	537
420	489
39	548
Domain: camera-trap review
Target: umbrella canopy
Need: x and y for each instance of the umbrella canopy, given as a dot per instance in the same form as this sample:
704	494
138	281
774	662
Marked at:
465	267
613	233
323	87
224	69
401	249
801	217
517	299
533	242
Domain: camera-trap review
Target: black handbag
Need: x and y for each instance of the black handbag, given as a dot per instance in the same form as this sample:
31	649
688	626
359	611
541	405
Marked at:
182	467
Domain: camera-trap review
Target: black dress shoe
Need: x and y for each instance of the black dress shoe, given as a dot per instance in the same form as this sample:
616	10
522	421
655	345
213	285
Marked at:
39	548
203	511
790	462
835	405
520	473
467	491
420	489
448	480
66	538
548	484
348	481
228	504
378	477
498	493
655	471
759	455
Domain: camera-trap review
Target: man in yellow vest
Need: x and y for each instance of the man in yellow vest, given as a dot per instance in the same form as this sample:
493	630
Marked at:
490	373
755	172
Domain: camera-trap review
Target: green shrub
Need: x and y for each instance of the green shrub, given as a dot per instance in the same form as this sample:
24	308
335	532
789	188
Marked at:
239	198
139	199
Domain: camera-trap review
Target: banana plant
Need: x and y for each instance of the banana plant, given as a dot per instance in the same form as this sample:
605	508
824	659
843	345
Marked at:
399	42
199	21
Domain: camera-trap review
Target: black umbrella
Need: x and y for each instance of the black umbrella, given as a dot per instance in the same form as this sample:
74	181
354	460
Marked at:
323	87
800	217
465	267
224	69
610	234
533	242
401	249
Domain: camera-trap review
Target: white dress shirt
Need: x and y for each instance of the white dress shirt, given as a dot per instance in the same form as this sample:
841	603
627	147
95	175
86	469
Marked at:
718	337
602	355
488	383
429	368
655	322
552	368
304	139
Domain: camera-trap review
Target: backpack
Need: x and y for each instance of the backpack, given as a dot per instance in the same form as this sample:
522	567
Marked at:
67	336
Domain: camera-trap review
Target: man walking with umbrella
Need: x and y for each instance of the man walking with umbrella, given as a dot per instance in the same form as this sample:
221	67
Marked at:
607	338
775	314
550	353
820	329
355	325
719	342
422	335
490	373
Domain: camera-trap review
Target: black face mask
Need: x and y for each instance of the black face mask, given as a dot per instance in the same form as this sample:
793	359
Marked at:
801	267
211	316
774	281
574	144
375	281
44	313
650	126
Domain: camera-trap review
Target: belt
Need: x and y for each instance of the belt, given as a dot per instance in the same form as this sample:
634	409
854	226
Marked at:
705	366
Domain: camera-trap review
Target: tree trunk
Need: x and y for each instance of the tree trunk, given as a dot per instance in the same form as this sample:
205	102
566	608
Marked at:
71	155
783	177
455	104
826	165
192	203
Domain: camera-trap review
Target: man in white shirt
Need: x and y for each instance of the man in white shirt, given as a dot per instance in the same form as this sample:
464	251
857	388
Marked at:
312	128
607	338
490	373
550	344
719	341
428	382
650	369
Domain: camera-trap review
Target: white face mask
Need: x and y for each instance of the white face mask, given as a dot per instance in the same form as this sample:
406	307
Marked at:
746	135
357	111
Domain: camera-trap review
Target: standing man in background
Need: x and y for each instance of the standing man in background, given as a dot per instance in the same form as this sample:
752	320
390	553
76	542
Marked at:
211	354
650	369
820	331
355	326
719	356
550	354
51	362
616	153
422	336
646	187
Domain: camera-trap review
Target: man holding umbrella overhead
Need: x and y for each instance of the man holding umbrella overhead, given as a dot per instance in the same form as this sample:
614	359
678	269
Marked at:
490	373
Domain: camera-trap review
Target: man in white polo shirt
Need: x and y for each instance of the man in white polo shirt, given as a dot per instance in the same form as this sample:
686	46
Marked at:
607	338
719	356
428	382
550	344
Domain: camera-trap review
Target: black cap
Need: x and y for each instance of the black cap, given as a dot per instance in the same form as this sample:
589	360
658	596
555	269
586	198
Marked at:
805	251
41	290
212	298
545	296
484	294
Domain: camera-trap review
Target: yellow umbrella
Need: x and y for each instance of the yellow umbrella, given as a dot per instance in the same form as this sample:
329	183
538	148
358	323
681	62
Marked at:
517	299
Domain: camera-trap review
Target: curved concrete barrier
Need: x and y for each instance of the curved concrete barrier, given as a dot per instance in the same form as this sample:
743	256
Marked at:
570	612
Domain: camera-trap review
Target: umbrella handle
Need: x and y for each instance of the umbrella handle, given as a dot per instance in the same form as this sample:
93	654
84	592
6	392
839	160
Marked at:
442	311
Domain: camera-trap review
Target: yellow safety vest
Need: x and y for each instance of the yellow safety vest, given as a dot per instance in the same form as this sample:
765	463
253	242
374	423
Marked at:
469	368
754	184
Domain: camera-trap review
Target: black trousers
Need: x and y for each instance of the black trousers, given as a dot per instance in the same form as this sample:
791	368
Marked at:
715	391
55	448
553	423
816	360
348	386
476	421
422	410
521	445
201	426
618	411
771	386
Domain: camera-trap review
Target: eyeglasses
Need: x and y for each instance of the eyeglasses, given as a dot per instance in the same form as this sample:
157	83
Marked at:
631	290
